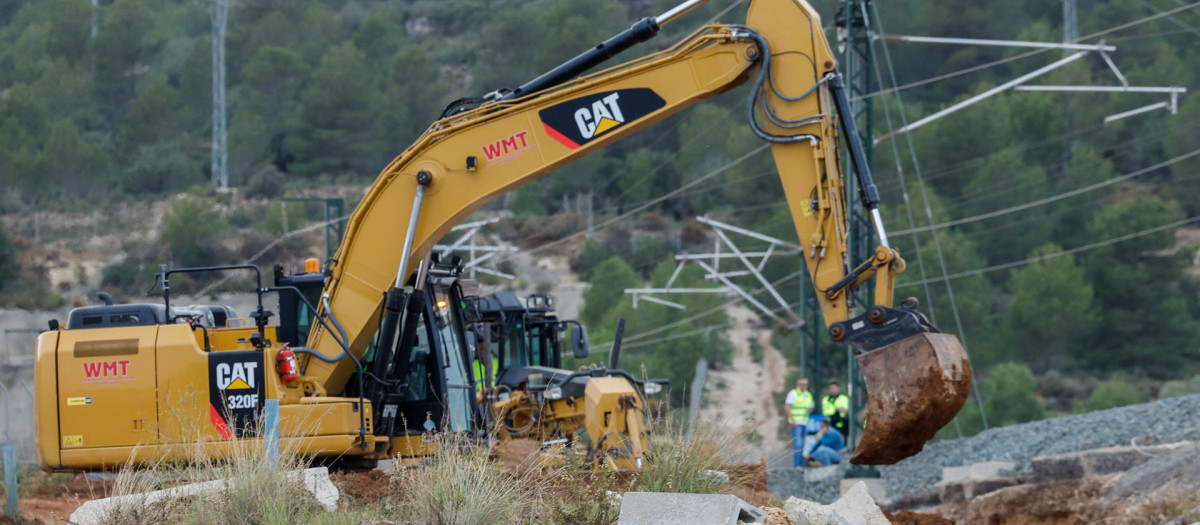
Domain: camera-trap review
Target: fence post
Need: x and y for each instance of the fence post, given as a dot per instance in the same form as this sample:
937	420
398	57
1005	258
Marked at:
7	412
32	404
271	440
10	479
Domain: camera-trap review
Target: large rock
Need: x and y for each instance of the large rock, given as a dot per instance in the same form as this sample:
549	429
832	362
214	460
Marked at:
1180	468
1096	462
315	480
665	508
855	507
1065	502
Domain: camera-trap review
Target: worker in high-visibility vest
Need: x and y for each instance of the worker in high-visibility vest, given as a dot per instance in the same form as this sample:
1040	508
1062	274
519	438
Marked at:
836	408
799	405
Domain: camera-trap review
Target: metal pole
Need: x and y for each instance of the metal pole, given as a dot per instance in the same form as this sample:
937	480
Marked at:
220	156
678	11
986	94
423	180
32	402
1000	43
271	439
10	479
7	411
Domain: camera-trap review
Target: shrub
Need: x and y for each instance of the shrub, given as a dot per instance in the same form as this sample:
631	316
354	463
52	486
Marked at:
1111	394
268	183
1180	388
192	231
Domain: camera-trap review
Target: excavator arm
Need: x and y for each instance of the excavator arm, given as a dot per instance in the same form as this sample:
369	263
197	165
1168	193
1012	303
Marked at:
468	158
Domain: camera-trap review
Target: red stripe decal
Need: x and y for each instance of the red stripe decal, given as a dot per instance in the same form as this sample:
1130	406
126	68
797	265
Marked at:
560	137
219	422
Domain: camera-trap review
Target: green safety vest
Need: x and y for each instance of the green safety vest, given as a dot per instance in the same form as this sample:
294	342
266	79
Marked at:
802	406
841	402
478	367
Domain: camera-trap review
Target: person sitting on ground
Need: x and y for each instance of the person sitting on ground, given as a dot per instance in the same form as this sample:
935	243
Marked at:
827	450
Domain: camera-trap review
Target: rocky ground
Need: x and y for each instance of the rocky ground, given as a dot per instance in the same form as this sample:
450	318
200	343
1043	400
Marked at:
1164	421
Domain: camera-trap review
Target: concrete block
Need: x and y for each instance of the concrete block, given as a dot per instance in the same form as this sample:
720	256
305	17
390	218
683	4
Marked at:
876	487
956	474
983	486
315	480
952	492
1095	462
855	507
857	504
661	508
991	469
1054	468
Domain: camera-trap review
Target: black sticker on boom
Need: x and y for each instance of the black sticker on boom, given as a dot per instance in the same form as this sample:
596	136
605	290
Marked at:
579	121
235	392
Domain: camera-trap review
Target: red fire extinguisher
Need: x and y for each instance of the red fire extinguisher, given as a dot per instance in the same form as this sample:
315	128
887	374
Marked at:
285	364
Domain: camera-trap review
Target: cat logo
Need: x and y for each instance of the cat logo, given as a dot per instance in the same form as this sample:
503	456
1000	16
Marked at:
236	376
576	122
605	114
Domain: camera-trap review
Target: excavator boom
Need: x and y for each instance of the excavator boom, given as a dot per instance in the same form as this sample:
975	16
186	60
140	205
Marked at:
470	157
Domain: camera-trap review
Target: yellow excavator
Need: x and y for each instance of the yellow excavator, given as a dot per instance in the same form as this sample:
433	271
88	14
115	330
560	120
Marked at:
132	382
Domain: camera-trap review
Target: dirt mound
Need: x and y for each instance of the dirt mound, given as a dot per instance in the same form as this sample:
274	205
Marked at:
52	501
908	517
518	453
360	489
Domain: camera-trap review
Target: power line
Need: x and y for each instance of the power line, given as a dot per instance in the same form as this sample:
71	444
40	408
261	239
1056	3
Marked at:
654	201
1072	251
1027	54
1047	200
937	243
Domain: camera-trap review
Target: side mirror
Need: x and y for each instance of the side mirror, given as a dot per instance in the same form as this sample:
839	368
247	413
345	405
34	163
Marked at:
579	341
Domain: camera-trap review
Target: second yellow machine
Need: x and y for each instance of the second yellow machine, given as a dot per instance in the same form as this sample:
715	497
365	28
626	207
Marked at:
113	386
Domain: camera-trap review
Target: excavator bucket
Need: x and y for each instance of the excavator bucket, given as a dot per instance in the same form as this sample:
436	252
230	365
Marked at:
914	387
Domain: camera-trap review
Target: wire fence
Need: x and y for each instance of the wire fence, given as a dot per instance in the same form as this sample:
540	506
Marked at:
17	435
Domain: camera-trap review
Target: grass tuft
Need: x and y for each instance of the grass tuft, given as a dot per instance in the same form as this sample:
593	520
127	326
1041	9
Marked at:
461	485
697	464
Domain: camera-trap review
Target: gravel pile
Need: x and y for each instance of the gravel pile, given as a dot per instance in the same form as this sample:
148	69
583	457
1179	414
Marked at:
1165	421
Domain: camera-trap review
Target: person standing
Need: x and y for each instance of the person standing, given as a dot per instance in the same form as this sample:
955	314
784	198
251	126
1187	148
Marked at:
836	409
799	405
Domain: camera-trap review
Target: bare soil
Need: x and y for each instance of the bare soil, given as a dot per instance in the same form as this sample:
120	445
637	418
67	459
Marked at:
908	517
753	392
54	503
362	489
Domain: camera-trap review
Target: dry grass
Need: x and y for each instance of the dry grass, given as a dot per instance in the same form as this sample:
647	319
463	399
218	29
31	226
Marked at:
461	485
675	463
257	490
